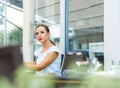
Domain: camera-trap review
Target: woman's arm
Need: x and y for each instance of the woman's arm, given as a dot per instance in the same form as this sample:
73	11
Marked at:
30	62
44	63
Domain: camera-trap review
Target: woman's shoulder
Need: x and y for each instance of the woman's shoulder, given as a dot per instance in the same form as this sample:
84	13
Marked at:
54	48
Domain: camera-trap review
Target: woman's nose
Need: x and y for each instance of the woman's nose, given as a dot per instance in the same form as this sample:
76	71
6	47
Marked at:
39	35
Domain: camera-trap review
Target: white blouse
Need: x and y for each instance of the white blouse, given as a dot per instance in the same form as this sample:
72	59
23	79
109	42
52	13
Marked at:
54	67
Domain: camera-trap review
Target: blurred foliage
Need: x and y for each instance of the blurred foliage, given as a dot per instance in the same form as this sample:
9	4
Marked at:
5	83
1	37
101	82
27	79
15	36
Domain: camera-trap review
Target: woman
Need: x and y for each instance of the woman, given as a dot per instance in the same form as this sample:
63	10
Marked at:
48	61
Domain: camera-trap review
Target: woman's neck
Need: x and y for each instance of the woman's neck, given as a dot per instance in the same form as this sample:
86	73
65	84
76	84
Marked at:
46	45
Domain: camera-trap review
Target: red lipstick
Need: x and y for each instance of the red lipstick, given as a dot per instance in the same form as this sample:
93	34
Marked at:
40	38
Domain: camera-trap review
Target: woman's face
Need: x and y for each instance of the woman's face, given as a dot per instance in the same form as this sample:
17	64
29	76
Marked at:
41	34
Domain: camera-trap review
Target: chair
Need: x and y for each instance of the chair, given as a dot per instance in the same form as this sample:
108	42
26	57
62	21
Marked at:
71	64
10	59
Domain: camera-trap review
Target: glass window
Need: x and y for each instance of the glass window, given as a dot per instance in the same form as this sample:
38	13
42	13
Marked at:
14	34
48	12
2	23
13	26
10	27
86	26
1	8
1	31
18	3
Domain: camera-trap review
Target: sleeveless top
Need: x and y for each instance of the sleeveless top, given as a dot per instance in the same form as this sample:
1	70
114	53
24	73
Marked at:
54	67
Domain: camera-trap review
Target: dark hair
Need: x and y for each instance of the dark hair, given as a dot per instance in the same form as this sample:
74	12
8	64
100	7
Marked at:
46	28
43	25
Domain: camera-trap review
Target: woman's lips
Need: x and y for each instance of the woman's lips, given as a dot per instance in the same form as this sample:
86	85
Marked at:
40	38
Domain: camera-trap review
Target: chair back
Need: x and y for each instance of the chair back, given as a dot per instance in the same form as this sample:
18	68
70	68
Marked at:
10	59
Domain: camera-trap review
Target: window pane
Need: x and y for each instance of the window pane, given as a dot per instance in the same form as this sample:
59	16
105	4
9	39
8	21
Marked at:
48	12
11	22
2	26
86	27
15	34
18	3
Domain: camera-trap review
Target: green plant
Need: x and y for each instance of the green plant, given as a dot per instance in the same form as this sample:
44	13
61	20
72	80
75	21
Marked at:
5	83
25	78
1	37
15	36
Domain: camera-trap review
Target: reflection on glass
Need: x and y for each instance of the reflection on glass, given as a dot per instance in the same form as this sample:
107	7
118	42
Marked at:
86	26
48	12
10	27
1	8
18	3
14	34
115	64
2	26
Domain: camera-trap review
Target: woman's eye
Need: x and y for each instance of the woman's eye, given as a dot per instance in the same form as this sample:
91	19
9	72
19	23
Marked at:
42	32
36	33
